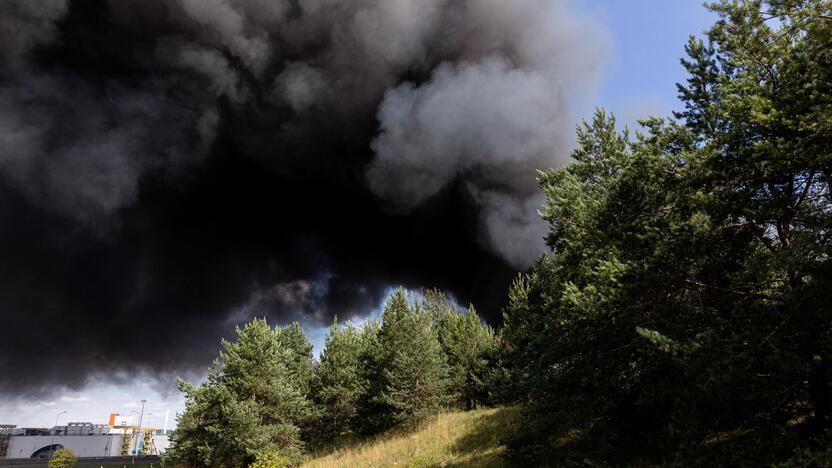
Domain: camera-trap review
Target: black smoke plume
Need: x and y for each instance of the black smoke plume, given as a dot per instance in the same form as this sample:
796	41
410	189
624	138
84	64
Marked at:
169	168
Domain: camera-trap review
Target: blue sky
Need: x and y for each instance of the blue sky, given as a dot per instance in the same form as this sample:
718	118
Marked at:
647	37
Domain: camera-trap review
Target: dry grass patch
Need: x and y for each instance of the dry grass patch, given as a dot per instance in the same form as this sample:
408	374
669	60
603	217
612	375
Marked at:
460	439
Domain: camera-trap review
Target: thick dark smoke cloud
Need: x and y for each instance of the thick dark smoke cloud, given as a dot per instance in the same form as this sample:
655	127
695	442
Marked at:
169	168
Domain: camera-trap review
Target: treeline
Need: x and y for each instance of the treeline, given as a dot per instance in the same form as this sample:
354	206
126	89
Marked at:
267	399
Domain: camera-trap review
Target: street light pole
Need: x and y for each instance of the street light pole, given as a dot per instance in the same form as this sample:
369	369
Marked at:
52	444
136	443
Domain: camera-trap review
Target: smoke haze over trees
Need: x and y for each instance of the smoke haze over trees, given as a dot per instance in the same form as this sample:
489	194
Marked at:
171	168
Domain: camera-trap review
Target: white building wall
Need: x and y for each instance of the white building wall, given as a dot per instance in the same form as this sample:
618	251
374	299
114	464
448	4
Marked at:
82	446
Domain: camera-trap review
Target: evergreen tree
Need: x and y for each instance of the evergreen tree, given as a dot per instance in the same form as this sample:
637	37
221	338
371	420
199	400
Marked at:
300	364
340	382
411	367
683	313
253	401
769	167
372	413
467	343
436	305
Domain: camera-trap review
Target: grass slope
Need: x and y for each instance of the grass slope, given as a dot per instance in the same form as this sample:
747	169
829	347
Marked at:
460	439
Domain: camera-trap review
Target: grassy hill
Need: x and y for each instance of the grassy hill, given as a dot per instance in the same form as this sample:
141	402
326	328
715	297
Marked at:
460	439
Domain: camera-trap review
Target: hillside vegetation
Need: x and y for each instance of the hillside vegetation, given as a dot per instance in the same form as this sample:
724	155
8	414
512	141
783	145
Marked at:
457	439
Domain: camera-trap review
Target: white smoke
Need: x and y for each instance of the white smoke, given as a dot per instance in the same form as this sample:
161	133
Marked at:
493	119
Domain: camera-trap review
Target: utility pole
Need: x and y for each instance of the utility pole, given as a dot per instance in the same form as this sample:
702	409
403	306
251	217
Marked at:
136	444
52	444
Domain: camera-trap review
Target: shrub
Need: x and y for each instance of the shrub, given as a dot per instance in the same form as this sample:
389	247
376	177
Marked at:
270	459
62	458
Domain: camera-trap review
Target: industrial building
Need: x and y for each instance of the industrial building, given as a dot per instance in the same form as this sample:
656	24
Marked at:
120	437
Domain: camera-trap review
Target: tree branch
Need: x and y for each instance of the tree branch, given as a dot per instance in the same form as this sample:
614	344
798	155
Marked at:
743	294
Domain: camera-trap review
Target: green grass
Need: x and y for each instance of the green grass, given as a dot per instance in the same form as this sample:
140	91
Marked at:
459	439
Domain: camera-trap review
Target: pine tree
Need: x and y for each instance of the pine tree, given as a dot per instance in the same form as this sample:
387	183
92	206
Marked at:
683	314
372	413
300	364
467	343
340	383
413	368
252	402
436	305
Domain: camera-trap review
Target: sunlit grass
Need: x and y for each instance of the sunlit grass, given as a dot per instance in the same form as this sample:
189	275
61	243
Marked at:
460	439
